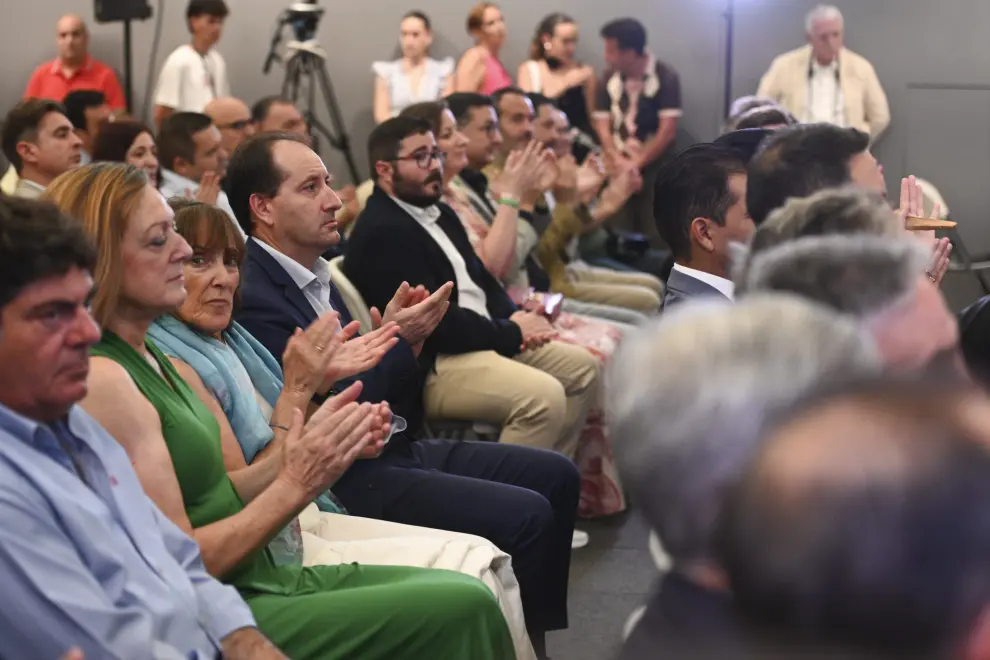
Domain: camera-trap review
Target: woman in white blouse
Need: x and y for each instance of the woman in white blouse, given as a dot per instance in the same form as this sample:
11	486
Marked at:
415	77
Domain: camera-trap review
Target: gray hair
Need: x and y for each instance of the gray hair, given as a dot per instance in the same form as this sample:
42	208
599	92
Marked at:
821	13
846	210
863	276
688	400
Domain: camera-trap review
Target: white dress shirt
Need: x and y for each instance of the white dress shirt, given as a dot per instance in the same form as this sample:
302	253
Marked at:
314	283
825	102
176	185
469	294
720	284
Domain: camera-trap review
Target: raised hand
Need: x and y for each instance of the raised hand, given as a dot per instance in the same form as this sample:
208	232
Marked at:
618	192
566	184
939	264
519	168
380	429
416	317
355	356
309	352
317	453
209	189
590	177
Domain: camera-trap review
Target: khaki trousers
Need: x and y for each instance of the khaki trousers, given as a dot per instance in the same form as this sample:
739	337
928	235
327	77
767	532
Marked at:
540	398
637	291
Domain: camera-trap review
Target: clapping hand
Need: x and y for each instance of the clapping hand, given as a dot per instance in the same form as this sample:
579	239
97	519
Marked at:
590	177
381	426
415	311
520	168
209	189
355	356
316	453
939	264
913	205
308	353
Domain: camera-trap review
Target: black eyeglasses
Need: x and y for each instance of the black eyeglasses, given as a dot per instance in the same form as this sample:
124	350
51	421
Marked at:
425	159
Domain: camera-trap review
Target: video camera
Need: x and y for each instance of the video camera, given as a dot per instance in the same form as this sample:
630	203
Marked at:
304	17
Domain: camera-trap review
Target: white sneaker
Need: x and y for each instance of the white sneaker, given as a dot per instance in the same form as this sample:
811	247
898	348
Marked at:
579	540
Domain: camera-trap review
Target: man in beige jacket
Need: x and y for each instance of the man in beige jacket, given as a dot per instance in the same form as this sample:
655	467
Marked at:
824	82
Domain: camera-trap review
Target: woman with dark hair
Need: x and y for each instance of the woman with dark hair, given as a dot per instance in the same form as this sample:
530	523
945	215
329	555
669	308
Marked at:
416	76
480	69
128	141
553	70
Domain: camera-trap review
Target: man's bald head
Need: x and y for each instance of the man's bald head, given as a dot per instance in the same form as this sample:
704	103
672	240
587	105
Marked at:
72	39
862	524
233	118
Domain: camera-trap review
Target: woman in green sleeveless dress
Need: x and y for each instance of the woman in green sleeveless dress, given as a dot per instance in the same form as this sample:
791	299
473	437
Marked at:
349	611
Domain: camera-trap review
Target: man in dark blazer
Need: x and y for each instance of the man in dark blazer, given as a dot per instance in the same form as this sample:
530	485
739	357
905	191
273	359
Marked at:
700	208
523	500
539	391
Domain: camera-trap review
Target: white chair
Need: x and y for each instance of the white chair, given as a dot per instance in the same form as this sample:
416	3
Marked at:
352	297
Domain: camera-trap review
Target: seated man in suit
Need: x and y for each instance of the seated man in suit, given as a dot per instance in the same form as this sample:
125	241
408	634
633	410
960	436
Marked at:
523	500
687	401
487	360
700	208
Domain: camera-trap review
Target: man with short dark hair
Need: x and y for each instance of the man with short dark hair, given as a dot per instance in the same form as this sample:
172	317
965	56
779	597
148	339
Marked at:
636	115
86	109
40	144
860	528
801	160
523	500
191	155
74	68
700	208
88	560
195	73
279	115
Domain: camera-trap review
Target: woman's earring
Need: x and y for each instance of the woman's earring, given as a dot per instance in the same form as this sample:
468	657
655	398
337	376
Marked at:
546	46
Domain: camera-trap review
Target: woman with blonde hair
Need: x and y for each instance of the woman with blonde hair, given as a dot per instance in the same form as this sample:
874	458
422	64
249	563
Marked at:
177	446
480	69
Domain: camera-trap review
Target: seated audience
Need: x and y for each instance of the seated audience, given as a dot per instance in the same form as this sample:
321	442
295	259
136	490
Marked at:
415	77
247	391
88	560
539	390
40	144
74	68
688	403
87	109
233	118
135	392
638	133
478	122
880	281
192	159
131	142
741	106
860	529
195	73
521	499
700	207
554	71
826	82
771	117
480	69
276	114
601	494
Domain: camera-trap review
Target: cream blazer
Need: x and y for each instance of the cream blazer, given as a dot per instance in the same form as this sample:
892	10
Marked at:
865	103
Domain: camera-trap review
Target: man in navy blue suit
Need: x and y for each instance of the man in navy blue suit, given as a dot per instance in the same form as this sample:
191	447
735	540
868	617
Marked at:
524	500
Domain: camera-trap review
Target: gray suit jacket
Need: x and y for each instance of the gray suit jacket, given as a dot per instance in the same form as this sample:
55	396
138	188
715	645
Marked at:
682	287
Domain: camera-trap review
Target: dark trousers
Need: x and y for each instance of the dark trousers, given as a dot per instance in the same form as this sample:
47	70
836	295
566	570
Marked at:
523	500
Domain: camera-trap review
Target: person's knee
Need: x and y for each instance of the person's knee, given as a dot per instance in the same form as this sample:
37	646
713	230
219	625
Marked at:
559	480
642	298
543	402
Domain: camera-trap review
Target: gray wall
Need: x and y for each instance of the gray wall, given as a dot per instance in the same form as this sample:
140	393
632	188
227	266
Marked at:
932	57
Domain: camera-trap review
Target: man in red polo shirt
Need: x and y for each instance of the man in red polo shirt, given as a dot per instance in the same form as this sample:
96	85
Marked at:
74	69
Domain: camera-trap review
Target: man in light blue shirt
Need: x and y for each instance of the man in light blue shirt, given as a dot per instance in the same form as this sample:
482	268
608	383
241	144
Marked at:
86	559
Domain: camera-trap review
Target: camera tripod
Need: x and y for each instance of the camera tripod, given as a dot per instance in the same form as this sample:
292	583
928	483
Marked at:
305	72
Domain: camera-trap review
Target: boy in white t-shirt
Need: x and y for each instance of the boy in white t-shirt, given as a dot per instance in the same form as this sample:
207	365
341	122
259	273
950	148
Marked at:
194	74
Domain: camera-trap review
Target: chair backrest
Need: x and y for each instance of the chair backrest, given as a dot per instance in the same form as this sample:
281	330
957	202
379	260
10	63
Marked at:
932	197
352	297
363	193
